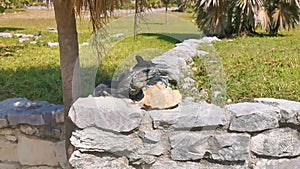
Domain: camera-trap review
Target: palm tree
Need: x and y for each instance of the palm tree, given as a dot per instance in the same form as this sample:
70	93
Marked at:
68	41
226	17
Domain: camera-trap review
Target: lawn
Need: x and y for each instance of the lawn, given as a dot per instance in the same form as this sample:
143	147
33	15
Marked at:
254	66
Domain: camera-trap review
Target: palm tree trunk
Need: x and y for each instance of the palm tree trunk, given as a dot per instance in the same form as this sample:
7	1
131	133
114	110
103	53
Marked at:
68	43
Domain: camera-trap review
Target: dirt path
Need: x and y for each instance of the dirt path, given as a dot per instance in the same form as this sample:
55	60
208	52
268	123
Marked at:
29	14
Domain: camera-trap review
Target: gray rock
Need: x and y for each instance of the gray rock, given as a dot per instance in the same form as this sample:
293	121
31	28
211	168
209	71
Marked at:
107	113
20	35
228	147
6	35
22	40
290	110
278	164
192	165
93	139
89	161
52	44
281	142
23	111
189	115
152	136
253	117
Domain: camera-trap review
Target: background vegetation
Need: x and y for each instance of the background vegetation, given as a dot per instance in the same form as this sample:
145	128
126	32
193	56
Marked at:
254	66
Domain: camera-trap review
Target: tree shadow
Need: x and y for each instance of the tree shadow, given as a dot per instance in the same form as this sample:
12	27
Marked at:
9	51
173	37
8	29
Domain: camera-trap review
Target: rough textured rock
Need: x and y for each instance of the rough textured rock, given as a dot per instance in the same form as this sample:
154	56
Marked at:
60	152
290	110
93	139
84	161
107	113
278	164
152	136
160	97
281	142
221	147
31	151
192	165
8	151
22	111
253	117
189	115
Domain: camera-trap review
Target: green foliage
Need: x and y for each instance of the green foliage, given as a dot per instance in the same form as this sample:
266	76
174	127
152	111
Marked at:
227	17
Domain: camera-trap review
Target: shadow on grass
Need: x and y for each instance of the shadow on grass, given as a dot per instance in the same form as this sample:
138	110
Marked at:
173	37
4	29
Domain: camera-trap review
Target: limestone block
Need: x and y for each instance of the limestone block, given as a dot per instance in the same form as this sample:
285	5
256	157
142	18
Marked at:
33	151
10	166
280	142
278	164
253	117
107	113
189	115
8	151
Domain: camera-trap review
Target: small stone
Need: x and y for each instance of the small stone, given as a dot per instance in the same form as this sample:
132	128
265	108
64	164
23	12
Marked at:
53	44
6	35
278	164
33	151
152	136
253	117
11	138
160	97
22	40
27	129
281	142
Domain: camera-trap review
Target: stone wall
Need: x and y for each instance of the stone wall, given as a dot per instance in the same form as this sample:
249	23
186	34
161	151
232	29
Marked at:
114	133
30	133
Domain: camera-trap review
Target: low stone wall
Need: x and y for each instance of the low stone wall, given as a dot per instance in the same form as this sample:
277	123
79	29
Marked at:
114	133
30	133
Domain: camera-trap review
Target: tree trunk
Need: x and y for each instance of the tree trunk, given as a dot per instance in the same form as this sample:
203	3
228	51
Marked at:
68	43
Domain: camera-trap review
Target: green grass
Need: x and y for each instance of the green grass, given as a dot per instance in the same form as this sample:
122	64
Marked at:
254	66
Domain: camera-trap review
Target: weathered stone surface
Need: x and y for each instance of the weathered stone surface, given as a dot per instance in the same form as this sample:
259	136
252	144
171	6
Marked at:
10	166
192	165
53	44
189	115
278	164
33	151
106	112
88	161
40	167
290	110
281	142
160	97
8	151
60	152
93	139
222	147
253	117
3	122
152	136
22	111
